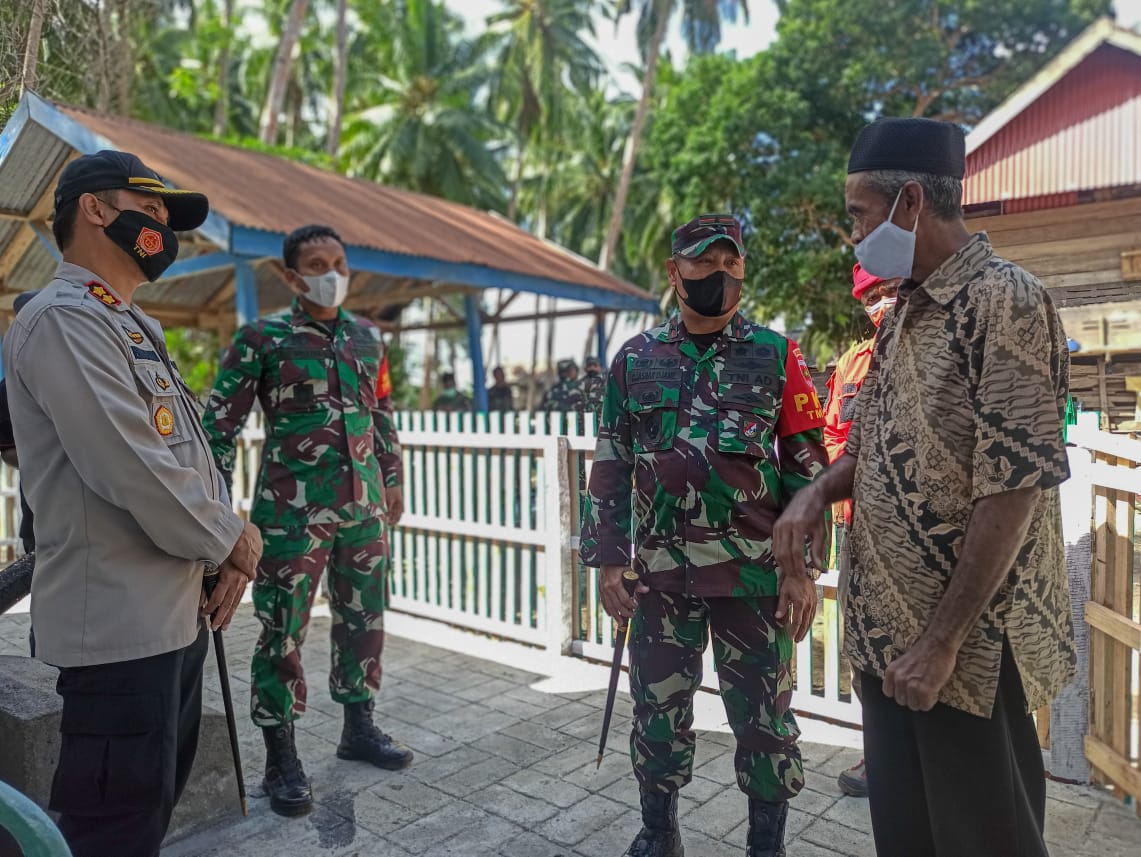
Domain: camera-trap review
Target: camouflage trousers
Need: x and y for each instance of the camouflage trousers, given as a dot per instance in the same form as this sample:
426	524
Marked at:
355	554
668	635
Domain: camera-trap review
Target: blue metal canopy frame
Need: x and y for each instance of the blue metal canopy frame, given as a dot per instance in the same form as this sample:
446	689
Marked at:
239	247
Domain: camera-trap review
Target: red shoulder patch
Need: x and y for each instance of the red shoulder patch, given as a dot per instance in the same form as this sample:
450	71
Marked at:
383	380
102	293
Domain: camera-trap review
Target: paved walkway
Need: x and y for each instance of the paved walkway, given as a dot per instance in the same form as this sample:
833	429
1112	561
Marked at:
505	768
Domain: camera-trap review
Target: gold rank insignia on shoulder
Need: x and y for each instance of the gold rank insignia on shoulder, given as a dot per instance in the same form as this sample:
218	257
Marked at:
100	292
163	384
164	421
133	335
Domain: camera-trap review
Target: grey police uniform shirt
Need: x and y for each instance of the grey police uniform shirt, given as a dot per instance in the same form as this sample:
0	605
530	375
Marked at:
115	463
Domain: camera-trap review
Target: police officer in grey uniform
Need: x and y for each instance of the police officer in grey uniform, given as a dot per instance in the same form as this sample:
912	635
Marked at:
130	513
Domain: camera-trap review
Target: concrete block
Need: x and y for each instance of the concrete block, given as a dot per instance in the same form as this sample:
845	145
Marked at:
29	721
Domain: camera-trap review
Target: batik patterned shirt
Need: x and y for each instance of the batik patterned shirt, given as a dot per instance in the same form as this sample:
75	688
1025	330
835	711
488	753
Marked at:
964	399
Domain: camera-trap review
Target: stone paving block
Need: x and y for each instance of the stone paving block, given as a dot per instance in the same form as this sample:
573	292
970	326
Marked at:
1068	824
813	802
568	712
701	845
418	699
851	812
521	752
431	771
606	837
595	779
833	765
411	795
526	810
422	742
804	848
837	837
625	791
515	707
815	756
589	727
524	693
437	827
373	809
718	815
1118	825
548	739
715	763
470	723
530	845
469	780
486	689
530	781
483	836
1090	797
580	820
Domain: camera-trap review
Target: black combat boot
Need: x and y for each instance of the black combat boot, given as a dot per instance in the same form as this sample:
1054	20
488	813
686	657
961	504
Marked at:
285	781
659	836
360	739
766	828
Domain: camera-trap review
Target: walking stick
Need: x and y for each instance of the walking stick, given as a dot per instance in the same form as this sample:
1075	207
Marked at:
209	584
621	639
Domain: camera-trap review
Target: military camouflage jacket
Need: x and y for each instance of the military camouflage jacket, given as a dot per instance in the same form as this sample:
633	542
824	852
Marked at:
329	438
565	395
713	445
593	388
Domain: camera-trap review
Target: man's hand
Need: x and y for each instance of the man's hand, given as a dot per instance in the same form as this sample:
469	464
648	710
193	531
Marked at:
394	504
797	602
915	678
617	604
802	521
224	600
247	552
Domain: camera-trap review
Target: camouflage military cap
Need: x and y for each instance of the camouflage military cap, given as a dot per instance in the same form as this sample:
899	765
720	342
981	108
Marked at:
691	239
566	366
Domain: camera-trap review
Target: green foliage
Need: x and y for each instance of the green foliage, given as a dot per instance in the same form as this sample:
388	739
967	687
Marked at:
196	352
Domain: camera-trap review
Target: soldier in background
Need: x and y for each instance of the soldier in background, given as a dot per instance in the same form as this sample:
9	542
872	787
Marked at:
714	423
329	481
565	395
451	399
593	386
499	396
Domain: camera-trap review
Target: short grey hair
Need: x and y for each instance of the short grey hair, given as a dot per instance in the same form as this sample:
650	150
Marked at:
943	195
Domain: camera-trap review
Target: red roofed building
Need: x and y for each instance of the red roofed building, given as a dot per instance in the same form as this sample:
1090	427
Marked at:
1054	177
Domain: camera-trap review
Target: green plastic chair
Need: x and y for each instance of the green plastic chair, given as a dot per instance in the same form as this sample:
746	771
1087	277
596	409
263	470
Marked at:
29	825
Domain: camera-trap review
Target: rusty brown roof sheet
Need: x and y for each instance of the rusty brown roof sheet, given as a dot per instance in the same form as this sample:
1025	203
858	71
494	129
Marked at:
271	193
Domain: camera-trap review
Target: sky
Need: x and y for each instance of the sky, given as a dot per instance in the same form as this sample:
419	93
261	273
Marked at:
619	46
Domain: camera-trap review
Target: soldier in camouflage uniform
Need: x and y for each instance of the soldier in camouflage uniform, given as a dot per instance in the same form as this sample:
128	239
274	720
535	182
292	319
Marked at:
329	483
714	423
565	395
593	386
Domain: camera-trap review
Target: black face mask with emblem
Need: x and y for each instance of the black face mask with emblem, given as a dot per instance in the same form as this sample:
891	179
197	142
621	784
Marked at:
712	296
153	246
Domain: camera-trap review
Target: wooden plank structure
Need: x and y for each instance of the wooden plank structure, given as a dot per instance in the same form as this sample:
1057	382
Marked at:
1113	612
1054	179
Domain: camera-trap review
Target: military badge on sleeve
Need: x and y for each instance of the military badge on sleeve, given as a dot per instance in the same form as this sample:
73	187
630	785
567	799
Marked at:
164	421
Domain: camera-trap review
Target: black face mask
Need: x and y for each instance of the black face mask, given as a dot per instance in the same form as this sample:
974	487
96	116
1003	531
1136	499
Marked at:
708	295
154	247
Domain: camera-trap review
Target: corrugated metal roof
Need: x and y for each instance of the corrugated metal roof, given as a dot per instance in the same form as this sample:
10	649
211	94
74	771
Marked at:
34	270
1081	134
8	230
188	292
265	192
30	168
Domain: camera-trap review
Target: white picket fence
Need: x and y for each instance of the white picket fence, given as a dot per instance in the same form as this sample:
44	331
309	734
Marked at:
489	542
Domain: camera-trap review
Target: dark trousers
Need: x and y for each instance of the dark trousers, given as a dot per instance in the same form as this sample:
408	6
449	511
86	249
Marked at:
943	783
129	734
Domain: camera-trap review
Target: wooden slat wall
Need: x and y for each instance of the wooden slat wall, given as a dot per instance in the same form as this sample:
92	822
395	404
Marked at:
1087	373
1076	251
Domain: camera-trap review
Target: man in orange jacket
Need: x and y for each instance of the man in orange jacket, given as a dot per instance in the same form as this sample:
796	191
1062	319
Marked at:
878	297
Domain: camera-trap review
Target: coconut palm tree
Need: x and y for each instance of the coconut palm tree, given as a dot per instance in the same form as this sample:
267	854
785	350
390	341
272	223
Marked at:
701	28
422	128
542	53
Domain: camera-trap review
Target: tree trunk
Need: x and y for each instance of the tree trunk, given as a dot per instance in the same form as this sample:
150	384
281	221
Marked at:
222	107
278	83
125	59
516	178
533	381
340	70
32	49
630	156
